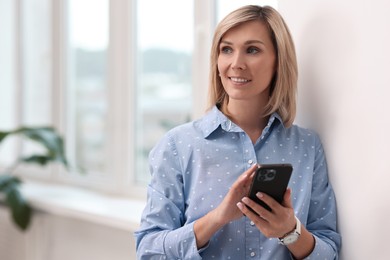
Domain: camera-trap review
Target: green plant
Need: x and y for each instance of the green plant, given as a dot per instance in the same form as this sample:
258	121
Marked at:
53	143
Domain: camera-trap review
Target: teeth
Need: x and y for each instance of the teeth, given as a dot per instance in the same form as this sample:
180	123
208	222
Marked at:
239	80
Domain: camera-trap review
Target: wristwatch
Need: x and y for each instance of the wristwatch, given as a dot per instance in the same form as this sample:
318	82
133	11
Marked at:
292	236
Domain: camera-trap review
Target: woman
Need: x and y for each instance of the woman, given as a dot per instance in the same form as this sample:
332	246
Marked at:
197	204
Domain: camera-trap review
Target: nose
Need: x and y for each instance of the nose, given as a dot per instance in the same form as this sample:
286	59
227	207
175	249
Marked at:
238	62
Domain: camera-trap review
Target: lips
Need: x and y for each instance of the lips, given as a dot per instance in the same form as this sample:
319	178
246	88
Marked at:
239	80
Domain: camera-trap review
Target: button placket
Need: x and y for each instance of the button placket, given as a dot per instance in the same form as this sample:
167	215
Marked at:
252	239
249	153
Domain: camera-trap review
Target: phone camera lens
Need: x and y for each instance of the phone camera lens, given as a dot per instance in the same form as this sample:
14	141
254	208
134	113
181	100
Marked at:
267	175
271	174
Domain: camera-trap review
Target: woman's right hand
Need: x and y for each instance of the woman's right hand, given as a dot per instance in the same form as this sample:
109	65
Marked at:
228	211
205	227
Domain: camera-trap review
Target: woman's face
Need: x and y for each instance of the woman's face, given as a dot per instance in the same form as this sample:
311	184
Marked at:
247	61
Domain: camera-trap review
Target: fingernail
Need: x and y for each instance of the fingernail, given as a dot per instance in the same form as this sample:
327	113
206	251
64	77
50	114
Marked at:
245	200
240	206
259	195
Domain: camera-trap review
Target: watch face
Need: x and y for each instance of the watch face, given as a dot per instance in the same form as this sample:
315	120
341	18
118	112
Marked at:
291	238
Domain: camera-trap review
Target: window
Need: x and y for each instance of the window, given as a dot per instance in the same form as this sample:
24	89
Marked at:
36	63
8	113
112	76
87	84
164	50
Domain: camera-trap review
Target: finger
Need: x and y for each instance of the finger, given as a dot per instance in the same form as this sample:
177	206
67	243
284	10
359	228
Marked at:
271	202
258	220
250	171
287	198
260	210
247	176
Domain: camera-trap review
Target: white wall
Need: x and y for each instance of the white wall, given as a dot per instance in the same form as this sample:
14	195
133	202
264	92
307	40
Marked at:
344	92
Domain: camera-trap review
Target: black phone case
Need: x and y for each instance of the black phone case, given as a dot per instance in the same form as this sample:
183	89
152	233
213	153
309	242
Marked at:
271	179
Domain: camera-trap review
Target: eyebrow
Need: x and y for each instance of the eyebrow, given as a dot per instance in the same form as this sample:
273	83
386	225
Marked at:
246	43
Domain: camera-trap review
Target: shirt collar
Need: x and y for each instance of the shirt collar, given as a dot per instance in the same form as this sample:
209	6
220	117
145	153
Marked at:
215	119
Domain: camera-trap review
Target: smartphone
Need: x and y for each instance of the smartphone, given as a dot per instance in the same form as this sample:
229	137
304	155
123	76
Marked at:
271	179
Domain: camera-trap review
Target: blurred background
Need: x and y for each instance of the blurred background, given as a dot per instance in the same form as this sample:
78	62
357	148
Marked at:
114	75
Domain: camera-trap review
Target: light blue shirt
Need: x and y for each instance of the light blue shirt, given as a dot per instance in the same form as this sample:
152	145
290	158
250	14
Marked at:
193	167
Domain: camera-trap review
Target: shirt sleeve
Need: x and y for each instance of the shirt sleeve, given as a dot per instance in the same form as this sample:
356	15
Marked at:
322	217
162	234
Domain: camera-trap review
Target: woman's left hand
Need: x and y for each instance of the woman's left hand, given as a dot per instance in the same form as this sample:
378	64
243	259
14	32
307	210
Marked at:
275	223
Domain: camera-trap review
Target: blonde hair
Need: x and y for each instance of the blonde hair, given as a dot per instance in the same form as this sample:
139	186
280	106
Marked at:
284	83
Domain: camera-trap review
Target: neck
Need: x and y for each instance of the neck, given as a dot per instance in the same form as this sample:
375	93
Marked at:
248	116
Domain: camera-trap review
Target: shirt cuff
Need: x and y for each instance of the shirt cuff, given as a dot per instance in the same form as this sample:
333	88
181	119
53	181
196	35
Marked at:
322	250
182	242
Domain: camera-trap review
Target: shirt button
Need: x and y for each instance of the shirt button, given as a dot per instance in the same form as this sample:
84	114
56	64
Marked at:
253	254
250	161
252	223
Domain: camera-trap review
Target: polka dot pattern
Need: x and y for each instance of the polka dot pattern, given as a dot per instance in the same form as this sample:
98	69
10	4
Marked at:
194	166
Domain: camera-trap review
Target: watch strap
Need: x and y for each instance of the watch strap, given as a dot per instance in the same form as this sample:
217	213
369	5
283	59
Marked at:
292	236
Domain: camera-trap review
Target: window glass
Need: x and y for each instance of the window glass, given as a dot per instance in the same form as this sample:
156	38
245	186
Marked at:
35	67
164	49
87	101
36	57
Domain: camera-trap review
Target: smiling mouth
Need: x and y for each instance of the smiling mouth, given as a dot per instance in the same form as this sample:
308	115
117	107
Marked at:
239	80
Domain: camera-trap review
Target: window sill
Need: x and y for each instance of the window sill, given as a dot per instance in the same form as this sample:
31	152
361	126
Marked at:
84	205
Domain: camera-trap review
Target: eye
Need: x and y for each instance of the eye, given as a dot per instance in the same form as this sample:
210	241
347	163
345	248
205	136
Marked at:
253	50
226	49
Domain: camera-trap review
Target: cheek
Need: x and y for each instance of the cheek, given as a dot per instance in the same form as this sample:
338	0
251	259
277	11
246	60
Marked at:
221	65
266	67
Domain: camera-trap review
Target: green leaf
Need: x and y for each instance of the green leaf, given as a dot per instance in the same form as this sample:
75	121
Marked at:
9	185
44	135
38	159
3	134
8	181
50	139
21	210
